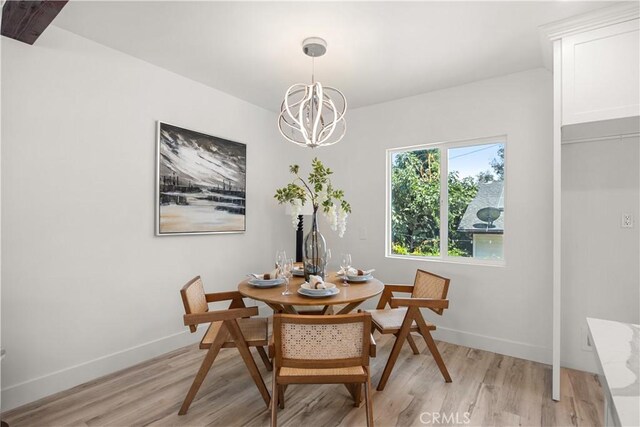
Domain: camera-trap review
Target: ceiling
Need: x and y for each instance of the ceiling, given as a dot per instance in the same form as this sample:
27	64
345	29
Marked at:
377	51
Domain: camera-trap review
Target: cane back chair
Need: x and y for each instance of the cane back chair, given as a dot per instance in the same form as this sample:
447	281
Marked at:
233	327
403	317
311	349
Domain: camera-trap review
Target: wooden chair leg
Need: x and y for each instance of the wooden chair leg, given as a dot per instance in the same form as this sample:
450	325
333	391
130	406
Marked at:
437	357
264	357
412	344
241	344
281	390
367	400
213	351
274	401
357	395
397	346
433	348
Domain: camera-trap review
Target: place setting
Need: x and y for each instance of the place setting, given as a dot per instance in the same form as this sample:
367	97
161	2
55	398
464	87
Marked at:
350	274
316	287
278	276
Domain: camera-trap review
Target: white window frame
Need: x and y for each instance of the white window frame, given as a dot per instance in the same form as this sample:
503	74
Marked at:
444	201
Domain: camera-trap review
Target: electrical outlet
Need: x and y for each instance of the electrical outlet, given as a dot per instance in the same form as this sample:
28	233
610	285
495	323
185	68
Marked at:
627	220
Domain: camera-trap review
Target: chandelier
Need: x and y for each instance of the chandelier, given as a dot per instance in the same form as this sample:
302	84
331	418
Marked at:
313	115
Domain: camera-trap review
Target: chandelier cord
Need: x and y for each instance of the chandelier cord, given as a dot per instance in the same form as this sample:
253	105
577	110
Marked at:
313	82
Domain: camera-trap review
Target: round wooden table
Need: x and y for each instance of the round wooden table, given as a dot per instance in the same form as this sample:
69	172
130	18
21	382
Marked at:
352	295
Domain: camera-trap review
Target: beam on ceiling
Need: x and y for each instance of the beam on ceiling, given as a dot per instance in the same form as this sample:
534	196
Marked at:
25	20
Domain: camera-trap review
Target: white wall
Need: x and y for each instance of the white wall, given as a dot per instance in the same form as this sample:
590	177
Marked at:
502	309
600	276
87	287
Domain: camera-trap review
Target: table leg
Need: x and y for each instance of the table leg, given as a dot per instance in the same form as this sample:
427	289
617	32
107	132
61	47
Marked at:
328	309
277	308
349	307
289	309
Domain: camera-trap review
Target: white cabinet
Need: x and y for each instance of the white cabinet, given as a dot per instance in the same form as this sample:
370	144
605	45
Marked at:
596	72
600	70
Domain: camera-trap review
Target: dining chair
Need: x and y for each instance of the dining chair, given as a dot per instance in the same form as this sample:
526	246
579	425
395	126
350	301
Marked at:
310	349
233	327
403	317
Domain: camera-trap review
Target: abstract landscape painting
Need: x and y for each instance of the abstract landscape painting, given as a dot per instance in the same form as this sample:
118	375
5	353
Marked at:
201	183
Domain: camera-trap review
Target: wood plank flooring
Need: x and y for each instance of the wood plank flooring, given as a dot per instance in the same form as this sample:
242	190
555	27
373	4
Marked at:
493	390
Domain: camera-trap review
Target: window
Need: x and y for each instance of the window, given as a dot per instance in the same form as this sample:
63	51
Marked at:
446	201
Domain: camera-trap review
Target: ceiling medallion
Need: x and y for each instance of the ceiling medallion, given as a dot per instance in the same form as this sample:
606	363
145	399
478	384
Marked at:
312	115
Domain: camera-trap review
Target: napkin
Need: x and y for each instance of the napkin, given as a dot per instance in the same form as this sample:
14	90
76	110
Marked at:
356	272
273	274
316	282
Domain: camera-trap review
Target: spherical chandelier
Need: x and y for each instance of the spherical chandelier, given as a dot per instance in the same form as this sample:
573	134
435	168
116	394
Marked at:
313	115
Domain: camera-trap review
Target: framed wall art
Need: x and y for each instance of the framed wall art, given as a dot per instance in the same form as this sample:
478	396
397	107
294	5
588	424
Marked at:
201	183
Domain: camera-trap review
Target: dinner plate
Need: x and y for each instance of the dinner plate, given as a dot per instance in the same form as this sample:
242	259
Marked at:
261	283
328	293
298	273
359	278
307	287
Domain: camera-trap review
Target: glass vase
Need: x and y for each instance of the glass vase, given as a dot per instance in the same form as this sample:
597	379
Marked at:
315	251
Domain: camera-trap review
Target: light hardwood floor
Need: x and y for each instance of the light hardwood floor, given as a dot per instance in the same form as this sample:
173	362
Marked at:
493	389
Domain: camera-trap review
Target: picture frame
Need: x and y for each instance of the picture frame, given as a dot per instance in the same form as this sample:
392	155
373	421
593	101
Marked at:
200	183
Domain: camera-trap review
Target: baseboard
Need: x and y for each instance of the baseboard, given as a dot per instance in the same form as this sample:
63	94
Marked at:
585	364
511	348
37	388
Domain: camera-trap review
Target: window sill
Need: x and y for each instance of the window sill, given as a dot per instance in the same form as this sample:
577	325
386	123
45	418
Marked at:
451	260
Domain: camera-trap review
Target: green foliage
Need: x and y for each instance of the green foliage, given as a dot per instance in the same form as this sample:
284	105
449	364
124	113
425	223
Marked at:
290	193
461	193
415	204
399	249
485	176
415	199
498	164
318	182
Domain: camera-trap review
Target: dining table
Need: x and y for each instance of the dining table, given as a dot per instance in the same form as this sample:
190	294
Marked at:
350	297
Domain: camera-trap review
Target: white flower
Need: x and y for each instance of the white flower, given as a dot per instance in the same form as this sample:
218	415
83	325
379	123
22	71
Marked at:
342	221
296	209
332	217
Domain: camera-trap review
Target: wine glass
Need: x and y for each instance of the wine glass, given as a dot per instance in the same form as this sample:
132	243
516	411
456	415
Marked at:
287	268
281	257
345	264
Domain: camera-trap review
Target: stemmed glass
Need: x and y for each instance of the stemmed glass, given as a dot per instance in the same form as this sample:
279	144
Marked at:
345	264
327	258
287	268
281	257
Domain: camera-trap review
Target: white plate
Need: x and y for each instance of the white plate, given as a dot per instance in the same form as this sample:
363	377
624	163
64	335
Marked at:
327	293
359	278
306	286
298	273
261	283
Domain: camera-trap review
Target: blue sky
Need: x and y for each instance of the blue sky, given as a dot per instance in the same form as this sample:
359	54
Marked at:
470	161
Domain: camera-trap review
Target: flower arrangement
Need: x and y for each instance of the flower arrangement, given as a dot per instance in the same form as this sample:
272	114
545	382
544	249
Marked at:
318	191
